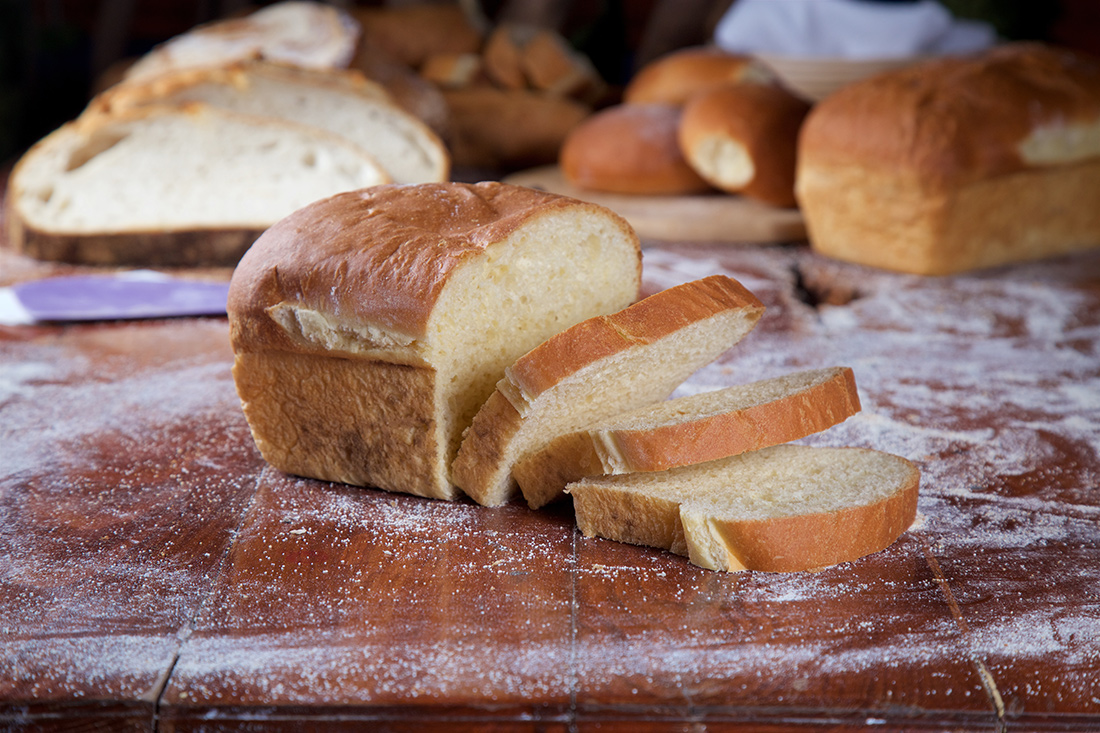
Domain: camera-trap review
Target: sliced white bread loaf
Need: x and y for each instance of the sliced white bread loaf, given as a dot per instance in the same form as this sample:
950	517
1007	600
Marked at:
172	186
344	103
368	328
596	369
692	429
311	35
781	509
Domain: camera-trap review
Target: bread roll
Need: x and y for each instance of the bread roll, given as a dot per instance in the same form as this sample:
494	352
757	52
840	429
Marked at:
597	369
172	186
957	163
369	327
692	429
743	139
509	128
677	77
781	509
412	33
630	148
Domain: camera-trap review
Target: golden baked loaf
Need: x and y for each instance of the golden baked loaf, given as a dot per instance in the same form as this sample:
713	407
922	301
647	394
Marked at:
678	76
743	138
630	148
957	163
369	327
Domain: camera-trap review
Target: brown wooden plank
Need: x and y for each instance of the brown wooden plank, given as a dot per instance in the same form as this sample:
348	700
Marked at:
715	217
340	597
125	471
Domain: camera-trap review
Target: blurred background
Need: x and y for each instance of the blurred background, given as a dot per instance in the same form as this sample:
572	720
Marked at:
55	53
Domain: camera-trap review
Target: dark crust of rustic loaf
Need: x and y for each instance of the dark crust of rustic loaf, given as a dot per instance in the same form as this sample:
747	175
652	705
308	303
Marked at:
182	248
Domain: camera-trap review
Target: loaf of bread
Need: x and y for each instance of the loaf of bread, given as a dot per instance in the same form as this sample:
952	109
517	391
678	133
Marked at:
343	102
599	368
743	138
411	33
172	186
630	148
957	163
369	327
311	35
678	76
780	509
692	429
508	129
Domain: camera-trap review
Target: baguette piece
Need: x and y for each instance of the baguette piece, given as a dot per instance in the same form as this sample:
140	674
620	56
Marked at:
781	509
958	163
596	369
692	429
509	128
630	148
310	35
678	76
342	102
369	327
743	139
172	186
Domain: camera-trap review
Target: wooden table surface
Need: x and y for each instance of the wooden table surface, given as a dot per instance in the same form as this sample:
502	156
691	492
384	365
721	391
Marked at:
155	573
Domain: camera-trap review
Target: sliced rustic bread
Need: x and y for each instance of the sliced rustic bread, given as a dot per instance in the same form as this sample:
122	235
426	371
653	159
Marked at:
692	429
596	369
311	35
344	103
781	509
170	186
368	328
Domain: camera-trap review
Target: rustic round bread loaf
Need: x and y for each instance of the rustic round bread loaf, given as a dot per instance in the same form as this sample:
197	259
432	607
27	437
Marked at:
743	138
677	77
630	148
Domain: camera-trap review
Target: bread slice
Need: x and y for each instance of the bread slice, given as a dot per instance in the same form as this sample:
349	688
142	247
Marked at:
368	328
172	186
692	429
344	103
781	509
599	368
309	35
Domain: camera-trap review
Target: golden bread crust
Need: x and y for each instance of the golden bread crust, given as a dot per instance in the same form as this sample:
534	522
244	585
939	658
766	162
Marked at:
377	256
676	77
953	121
630	148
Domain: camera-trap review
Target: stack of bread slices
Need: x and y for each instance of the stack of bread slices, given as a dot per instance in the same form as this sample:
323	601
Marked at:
210	139
488	340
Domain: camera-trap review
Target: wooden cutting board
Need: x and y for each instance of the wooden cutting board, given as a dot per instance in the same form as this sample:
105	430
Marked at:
714	217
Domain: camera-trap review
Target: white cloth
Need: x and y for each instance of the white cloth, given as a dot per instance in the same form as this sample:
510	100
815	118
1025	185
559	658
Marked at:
852	29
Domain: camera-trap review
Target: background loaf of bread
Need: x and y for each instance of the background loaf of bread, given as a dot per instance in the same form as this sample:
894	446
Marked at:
957	163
